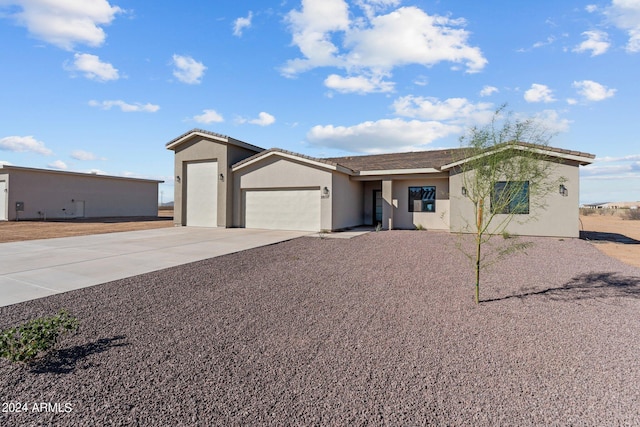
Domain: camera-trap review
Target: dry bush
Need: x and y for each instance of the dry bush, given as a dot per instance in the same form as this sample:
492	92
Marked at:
633	214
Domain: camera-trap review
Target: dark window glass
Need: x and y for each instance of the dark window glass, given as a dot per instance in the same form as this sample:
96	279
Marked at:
510	197
422	199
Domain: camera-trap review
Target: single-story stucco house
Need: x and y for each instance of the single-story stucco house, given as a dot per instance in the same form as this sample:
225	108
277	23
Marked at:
224	182
30	193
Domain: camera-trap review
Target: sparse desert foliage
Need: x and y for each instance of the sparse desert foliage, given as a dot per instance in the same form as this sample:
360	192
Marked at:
506	176
25	342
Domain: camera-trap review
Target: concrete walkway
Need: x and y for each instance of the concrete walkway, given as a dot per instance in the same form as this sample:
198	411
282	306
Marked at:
38	268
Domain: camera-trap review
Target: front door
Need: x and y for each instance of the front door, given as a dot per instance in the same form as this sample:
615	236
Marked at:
377	207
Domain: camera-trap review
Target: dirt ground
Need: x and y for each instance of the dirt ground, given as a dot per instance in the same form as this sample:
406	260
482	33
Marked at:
614	235
15	231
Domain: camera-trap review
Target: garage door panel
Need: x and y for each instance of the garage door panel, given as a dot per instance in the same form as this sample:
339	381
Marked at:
283	209
202	194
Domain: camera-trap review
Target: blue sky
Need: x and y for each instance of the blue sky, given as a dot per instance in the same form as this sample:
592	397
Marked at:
103	85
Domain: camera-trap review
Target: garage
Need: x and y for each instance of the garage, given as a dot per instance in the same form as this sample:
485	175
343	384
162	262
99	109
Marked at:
202	194
290	209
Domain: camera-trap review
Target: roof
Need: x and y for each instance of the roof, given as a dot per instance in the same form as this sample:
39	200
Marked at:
174	143
9	168
432	161
326	163
412	160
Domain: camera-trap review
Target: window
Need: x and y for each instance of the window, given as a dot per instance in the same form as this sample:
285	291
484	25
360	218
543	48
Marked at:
510	197
422	199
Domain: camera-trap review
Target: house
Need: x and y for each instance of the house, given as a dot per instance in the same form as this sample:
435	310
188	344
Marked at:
223	182
29	193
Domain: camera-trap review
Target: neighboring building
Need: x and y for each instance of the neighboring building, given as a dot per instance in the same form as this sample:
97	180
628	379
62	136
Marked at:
612	205
28	193
223	182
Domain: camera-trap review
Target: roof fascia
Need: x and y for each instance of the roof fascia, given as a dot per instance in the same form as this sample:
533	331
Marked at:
580	159
386	172
311	162
220	138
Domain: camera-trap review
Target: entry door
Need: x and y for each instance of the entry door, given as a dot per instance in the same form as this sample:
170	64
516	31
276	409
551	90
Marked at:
377	207
202	194
3	200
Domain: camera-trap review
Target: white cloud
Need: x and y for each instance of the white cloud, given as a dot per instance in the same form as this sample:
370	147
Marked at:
125	107
551	121
263	119
625	14
358	84
188	70
453	110
241	23
24	144
85	155
593	91
374	45
58	164
388	135
371	7
591	8
539	93
65	23
208	117
489	90
597	43
93	68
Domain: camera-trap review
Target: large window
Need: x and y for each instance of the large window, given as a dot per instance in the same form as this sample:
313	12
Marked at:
510	197
422	199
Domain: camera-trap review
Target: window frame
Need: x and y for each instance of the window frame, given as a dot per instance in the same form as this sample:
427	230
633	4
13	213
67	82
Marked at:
516	206
424	190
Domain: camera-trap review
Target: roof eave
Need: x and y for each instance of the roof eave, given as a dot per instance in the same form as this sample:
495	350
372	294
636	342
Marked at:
290	156
172	145
581	159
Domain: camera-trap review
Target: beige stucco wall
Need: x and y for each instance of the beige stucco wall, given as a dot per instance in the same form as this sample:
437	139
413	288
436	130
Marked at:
275	172
560	218
51	194
438	220
347	203
200	149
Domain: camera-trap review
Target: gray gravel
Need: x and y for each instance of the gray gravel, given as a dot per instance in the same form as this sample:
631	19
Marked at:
377	330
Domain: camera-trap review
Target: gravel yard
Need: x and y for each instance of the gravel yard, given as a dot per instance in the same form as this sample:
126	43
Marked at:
377	330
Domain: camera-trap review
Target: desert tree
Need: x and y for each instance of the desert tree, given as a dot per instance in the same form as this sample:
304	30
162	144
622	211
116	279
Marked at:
507	176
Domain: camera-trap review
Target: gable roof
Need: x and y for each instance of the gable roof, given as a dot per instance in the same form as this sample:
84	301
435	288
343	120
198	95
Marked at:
174	143
544	150
278	152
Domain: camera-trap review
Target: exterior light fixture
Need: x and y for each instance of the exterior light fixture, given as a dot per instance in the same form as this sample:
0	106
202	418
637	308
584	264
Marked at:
563	190
325	192
178	179
221	177
464	191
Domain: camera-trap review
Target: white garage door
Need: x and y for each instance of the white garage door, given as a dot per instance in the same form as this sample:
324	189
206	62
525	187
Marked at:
202	194
283	209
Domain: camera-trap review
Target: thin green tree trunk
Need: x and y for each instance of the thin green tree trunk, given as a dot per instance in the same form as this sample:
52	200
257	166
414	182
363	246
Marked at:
478	248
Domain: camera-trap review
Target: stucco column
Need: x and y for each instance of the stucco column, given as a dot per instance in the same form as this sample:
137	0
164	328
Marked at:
387	204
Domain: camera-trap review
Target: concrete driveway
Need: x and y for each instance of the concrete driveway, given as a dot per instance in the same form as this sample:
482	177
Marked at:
38	268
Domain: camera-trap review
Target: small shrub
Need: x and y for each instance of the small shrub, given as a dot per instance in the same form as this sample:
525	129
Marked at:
378	226
633	214
25	342
506	235
587	211
420	227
